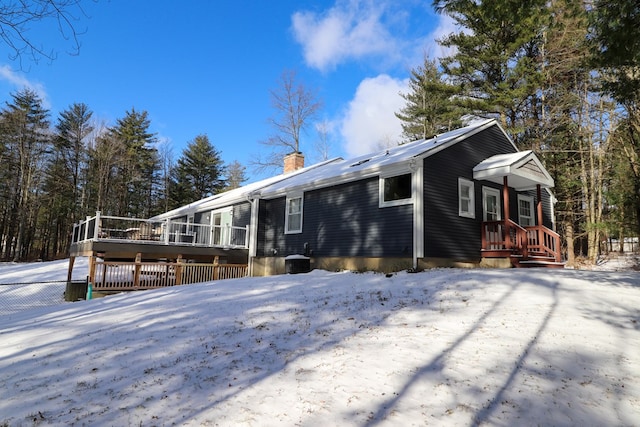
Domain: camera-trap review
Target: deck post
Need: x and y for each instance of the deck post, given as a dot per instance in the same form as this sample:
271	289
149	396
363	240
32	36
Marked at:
136	274
167	229
86	227
216	267
72	260
539	215
179	270
97	226
92	269
505	203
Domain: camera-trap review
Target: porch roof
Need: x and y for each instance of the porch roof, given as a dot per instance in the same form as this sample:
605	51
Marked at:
523	169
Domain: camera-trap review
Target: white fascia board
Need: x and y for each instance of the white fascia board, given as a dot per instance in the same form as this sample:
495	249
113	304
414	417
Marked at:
548	180
492	174
371	172
242	194
544	182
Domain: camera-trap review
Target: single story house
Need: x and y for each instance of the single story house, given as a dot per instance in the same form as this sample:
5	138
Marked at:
467	197
416	205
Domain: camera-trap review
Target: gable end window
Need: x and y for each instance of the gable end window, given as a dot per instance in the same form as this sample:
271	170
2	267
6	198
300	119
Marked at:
466	201
293	215
396	190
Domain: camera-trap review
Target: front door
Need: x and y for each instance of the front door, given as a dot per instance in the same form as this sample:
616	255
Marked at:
491	204
491	212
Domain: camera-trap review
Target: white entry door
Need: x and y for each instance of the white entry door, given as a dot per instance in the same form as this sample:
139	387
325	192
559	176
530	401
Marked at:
491	210
221	227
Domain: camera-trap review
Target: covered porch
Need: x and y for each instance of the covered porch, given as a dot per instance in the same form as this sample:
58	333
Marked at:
524	245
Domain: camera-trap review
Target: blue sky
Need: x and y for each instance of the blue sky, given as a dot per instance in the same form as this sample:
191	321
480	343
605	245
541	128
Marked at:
207	67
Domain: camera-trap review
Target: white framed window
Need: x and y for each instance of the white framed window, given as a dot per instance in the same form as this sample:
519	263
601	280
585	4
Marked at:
466	199
525	210
396	190
293	215
491	210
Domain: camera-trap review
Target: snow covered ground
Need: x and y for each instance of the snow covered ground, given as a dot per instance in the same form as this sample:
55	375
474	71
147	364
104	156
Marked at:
443	347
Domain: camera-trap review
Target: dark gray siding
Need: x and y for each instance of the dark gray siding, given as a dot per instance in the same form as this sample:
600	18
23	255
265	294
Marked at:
448	235
241	214
343	220
202	217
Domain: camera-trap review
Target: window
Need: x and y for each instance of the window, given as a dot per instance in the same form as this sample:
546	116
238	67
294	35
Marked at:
395	190
466	199
491	204
525	210
293	217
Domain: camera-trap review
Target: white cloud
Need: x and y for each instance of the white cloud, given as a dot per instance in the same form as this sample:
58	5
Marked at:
348	30
370	123
21	82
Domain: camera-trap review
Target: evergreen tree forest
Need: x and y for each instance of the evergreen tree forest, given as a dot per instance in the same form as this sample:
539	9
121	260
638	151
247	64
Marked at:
56	171
562	77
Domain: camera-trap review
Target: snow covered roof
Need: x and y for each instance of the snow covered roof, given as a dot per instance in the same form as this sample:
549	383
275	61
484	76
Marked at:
234	196
523	169
336	171
398	158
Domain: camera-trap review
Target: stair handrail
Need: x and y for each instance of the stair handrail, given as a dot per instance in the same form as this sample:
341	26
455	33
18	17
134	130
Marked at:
521	244
546	240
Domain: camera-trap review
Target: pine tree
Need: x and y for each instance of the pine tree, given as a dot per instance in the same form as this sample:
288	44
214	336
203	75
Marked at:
65	179
616	54
430	107
197	173
24	130
136	187
495	60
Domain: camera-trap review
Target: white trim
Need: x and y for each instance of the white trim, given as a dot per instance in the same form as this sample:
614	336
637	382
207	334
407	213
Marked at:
418	214
286	213
532	217
253	227
471	213
494	192
224	239
399	202
513	165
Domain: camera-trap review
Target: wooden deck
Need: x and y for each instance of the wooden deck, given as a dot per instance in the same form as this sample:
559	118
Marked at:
128	249
111	276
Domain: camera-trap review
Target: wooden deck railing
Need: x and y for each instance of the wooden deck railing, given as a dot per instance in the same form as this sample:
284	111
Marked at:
545	241
165	232
127	276
508	236
504	236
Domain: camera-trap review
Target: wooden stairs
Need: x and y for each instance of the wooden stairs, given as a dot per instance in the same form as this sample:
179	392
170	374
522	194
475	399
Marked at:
535	260
525	247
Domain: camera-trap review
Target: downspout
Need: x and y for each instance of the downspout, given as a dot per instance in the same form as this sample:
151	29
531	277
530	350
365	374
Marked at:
254	200
416	166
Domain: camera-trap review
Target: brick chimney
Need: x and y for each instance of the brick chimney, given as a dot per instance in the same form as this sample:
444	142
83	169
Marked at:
293	161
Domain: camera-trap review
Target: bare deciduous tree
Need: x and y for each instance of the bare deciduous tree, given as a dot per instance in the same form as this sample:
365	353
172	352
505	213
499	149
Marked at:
294	107
17	17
